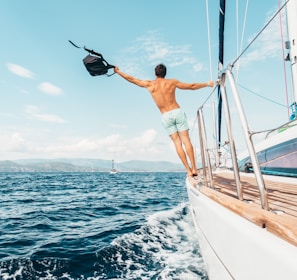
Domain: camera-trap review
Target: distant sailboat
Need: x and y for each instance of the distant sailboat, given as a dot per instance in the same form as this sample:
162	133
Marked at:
113	170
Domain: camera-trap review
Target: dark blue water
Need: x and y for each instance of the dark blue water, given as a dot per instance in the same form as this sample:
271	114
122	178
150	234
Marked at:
97	226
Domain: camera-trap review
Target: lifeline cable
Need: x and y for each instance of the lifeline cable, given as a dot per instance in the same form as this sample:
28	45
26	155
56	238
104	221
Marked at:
260	32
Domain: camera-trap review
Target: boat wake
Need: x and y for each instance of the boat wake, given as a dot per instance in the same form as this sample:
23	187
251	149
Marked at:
165	247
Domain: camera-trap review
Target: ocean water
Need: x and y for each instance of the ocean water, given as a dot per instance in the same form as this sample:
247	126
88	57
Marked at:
97	226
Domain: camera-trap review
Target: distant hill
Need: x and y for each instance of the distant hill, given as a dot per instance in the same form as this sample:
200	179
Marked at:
86	165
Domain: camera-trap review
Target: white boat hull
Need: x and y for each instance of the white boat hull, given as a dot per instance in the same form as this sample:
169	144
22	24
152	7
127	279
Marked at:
235	248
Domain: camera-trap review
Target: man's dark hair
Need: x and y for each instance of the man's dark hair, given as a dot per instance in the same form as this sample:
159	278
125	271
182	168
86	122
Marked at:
160	70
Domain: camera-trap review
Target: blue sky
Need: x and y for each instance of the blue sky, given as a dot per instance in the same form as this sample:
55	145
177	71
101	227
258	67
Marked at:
51	107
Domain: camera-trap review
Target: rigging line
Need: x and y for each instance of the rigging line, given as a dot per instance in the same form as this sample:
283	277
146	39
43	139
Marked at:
209	96
203	106
194	124
260	32
208	34
223	145
284	62
268	131
242	34
237	50
259	95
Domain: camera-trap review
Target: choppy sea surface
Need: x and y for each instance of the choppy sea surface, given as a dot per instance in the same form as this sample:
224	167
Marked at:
97	226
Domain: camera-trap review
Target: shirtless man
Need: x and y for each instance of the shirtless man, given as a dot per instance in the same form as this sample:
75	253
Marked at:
174	119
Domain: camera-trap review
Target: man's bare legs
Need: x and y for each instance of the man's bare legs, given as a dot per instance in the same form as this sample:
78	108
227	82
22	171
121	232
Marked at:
182	138
184	135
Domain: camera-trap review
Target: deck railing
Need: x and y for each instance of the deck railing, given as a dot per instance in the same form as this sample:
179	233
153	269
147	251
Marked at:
206	162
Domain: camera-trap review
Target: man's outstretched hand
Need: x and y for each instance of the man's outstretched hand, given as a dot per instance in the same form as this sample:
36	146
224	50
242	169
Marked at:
116	69
210	83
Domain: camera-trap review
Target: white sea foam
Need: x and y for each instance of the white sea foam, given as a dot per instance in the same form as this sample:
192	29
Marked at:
165	247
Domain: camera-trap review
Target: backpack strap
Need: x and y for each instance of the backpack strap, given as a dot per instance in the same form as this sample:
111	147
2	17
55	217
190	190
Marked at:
74	44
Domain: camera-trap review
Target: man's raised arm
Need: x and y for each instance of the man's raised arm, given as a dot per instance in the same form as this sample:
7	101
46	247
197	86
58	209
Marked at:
131	79
193	86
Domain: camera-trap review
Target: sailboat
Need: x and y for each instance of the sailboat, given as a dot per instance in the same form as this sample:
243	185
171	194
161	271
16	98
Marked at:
246	213
113	170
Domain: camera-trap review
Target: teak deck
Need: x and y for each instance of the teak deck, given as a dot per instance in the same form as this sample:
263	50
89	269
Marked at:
281	219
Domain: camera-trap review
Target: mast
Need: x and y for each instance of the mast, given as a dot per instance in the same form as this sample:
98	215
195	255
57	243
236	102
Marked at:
221	63
292	29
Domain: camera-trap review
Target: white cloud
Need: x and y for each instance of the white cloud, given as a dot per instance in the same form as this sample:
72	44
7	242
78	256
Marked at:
34	112
20	71
12	143
17	141
111	144
26	143
31	146
50	89
145	140
152	49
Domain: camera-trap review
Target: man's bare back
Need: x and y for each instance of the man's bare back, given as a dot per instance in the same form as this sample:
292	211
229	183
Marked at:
163	93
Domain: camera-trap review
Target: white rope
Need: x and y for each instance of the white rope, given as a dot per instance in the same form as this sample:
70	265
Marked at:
237	45
210	62
244	24
209	47
242	35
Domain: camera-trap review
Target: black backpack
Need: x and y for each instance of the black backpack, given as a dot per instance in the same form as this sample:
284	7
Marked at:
95	63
